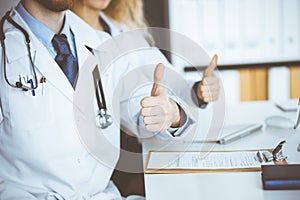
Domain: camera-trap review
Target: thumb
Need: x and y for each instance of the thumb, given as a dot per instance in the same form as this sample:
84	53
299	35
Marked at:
157	89
209	71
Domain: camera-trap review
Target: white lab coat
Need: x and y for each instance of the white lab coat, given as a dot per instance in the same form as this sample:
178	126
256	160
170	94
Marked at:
41	155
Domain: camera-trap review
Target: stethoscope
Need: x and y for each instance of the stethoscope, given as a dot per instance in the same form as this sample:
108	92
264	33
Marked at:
103	119
18	84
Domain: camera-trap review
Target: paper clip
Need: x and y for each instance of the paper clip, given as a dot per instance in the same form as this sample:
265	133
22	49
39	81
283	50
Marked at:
276	154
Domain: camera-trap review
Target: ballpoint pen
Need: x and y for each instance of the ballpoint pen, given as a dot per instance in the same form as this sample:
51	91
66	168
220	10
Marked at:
298	115
31	85
240	134
232	136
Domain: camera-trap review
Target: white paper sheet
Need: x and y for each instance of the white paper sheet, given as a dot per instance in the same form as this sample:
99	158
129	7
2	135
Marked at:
204	160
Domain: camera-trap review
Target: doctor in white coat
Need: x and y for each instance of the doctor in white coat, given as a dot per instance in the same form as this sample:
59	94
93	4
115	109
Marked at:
41	155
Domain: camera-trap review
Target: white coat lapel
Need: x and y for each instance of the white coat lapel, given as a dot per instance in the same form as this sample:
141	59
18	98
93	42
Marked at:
86	39
82	52
51	70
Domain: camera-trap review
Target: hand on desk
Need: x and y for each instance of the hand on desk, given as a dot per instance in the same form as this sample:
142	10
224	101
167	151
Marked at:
159	111
209	88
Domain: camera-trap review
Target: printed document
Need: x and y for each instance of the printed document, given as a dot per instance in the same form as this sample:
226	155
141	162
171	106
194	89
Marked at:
204	160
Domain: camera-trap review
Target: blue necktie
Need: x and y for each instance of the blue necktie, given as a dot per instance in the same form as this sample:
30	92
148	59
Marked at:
64	58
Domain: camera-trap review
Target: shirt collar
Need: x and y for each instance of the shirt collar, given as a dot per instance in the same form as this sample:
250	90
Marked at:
42	32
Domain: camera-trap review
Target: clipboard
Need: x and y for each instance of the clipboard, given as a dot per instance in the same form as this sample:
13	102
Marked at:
149	169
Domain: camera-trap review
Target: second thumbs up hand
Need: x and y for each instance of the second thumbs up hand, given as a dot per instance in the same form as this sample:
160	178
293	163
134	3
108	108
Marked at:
209	89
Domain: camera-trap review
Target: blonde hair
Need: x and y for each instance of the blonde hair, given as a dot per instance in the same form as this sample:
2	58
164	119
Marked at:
129	12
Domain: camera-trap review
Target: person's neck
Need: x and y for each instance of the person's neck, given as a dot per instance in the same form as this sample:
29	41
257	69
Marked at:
90	16
53	20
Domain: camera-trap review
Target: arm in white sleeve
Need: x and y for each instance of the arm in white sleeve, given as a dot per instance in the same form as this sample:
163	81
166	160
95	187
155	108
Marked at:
11	192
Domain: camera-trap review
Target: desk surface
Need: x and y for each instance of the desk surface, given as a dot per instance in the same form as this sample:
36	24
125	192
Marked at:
229	185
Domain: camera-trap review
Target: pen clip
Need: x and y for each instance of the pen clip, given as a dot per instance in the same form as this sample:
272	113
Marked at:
30	82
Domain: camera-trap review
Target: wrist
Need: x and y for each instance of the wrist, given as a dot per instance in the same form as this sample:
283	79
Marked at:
198	90
176	118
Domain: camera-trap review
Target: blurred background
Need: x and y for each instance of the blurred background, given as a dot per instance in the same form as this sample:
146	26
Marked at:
258	42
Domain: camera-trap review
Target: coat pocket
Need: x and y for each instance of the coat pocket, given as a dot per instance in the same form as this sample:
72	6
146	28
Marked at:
30	110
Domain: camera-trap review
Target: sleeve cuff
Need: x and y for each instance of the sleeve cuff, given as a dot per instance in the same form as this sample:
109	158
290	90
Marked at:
183	121
198	101
177	132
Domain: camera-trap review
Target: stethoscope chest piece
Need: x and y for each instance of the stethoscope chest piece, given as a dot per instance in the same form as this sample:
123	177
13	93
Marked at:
103	119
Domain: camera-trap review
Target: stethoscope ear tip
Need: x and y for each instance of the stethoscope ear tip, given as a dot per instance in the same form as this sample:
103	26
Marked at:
19	84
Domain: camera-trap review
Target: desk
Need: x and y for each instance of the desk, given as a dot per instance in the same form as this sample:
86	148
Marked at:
229	185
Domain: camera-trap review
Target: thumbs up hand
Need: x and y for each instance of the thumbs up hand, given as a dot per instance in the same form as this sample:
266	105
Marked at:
209	88
158	111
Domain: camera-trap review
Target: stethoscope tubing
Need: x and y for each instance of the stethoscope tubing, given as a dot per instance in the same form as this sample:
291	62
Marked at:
105	120
18	85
